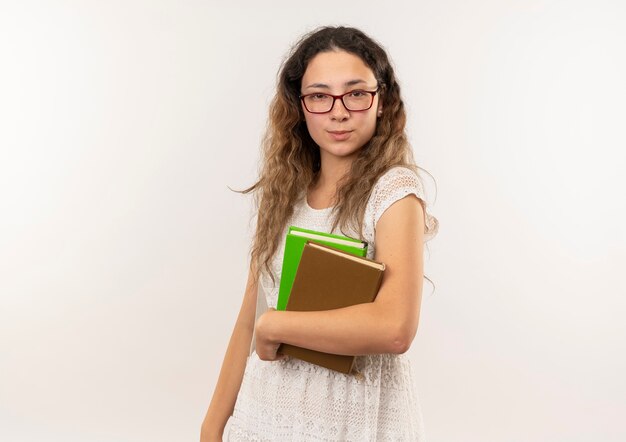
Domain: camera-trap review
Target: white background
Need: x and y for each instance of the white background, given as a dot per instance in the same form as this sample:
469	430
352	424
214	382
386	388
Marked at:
123	252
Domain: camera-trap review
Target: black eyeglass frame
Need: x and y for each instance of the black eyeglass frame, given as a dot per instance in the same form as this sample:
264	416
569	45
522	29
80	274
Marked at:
335	97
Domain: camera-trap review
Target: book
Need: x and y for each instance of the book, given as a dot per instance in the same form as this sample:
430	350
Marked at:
294	244
328	279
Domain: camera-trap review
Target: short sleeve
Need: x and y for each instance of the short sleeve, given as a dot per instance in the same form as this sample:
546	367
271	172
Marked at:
392	186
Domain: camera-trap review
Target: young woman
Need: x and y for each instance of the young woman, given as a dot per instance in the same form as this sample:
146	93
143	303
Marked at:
336	159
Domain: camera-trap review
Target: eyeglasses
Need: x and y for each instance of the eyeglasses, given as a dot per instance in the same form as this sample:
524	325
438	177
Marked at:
355	101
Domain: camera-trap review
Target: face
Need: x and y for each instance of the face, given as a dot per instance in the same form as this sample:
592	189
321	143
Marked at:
336	73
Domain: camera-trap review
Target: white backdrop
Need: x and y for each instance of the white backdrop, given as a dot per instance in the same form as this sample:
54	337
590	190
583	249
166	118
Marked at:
123	253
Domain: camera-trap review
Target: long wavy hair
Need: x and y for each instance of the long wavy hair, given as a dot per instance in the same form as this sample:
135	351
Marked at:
291	159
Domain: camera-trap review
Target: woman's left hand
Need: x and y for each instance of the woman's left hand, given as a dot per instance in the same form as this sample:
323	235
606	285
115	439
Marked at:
266	343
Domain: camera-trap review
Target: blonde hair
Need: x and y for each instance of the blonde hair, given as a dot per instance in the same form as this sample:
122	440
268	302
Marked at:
291	159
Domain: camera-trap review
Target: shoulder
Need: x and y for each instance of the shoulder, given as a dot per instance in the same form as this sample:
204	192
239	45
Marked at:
398	175
393	185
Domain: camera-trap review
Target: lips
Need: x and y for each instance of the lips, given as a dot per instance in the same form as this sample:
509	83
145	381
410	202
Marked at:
340	135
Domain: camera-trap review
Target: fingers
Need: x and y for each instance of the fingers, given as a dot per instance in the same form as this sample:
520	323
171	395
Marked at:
271	355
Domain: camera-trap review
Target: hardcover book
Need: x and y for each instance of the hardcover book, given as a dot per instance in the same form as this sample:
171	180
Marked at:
328	279
294	244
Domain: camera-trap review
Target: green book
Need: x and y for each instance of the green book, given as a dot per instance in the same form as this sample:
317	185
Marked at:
294	244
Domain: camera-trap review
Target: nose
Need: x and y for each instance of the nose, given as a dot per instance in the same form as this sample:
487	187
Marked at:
339	111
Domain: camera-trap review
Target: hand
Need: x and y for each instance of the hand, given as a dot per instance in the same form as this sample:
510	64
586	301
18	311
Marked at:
266	342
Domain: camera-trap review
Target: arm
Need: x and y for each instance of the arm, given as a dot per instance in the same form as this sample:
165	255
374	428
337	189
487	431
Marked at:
231	373
387	325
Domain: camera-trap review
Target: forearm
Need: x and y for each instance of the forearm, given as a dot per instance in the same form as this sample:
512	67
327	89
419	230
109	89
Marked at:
356	330
233	366
229	381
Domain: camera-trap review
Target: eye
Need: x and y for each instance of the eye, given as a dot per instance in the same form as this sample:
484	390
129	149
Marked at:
318	97
357	94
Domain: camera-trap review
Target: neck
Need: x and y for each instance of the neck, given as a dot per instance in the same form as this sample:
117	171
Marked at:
332	170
